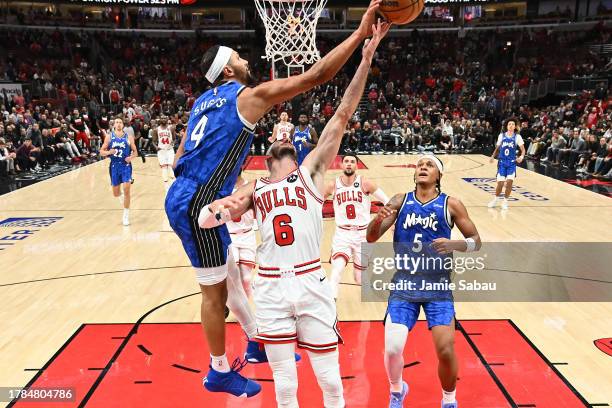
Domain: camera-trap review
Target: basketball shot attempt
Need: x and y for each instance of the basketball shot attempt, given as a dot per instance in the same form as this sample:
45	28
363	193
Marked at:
122	150
212	151
423	222
351	193
293	299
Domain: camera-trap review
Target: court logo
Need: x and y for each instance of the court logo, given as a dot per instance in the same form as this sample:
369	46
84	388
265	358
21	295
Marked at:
29	225
487	184
37	222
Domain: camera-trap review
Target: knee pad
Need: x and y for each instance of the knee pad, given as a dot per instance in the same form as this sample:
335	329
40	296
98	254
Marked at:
395	337
211	276
285	382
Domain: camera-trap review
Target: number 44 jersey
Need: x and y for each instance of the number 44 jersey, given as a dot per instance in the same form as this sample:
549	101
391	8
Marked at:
289	213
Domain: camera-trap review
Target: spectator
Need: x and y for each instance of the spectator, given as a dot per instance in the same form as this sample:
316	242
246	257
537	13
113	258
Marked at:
27	156
7	159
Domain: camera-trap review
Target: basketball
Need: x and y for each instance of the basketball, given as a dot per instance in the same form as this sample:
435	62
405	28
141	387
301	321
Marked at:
401	11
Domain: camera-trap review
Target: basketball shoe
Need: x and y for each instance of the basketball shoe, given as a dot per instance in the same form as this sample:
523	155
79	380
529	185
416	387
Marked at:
256	353
397	398
231	382
449	404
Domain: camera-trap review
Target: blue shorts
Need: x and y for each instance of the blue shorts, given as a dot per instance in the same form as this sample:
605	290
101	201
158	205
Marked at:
206	248
506	170
439	313
120	173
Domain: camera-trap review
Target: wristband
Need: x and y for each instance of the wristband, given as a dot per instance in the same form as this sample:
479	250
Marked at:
470	245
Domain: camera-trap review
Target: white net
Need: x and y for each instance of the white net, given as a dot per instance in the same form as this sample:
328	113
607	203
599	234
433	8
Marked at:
291	27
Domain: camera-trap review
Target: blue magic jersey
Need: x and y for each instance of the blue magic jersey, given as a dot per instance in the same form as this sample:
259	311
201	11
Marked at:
507	148
218	140
122	147
300	136
416	226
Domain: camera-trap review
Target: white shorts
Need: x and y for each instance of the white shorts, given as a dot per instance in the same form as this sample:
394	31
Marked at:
165	157
244	248
296	308
351	244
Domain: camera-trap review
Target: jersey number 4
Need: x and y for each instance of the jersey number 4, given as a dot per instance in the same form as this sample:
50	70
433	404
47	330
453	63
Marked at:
283	231
198	130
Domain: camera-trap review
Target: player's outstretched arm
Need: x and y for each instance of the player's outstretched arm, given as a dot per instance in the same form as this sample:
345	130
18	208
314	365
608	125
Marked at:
253	103
465	224
225	209
385	218
327	148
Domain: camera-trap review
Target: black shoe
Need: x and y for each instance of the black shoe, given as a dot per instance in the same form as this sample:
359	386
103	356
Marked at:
132	181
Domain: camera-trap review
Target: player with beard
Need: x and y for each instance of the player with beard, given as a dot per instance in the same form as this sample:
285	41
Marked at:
293	300
423	221
304	138
351	197
218	137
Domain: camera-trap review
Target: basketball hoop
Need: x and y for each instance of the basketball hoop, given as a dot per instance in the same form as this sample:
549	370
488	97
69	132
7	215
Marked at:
291	27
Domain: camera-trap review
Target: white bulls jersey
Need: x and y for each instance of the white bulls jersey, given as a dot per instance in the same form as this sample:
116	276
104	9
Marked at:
351	204
164	137
284	130
290	219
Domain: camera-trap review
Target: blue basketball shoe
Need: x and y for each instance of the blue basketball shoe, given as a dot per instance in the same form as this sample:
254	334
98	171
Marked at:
397	398
256	353
450	404
231	382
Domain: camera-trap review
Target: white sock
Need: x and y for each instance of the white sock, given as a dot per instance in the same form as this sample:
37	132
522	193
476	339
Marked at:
219	364
126	212
120	198
449	396
165	174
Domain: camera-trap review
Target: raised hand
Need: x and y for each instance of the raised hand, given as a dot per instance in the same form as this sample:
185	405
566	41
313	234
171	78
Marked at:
379	31
368	18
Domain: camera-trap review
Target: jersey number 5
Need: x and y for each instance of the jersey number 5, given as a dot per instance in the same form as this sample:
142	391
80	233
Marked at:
198	130
283	231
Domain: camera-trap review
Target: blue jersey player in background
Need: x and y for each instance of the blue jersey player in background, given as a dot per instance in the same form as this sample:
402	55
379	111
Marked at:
208	161
506	146
121	149
304	138
423	222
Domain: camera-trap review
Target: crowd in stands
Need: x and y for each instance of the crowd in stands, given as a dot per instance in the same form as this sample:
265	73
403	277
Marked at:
439	92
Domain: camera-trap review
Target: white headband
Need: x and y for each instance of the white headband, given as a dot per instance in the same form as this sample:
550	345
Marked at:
221	59
437	161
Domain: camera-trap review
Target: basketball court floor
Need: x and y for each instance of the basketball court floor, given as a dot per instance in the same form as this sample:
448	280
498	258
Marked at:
112	312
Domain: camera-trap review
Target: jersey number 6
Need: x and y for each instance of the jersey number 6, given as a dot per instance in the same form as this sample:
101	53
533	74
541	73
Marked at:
283	231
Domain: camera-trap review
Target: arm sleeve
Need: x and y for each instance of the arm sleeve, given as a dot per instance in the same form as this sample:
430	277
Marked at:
380	196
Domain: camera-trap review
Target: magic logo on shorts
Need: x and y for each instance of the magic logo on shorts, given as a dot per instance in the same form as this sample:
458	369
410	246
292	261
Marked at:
488	185
29	226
